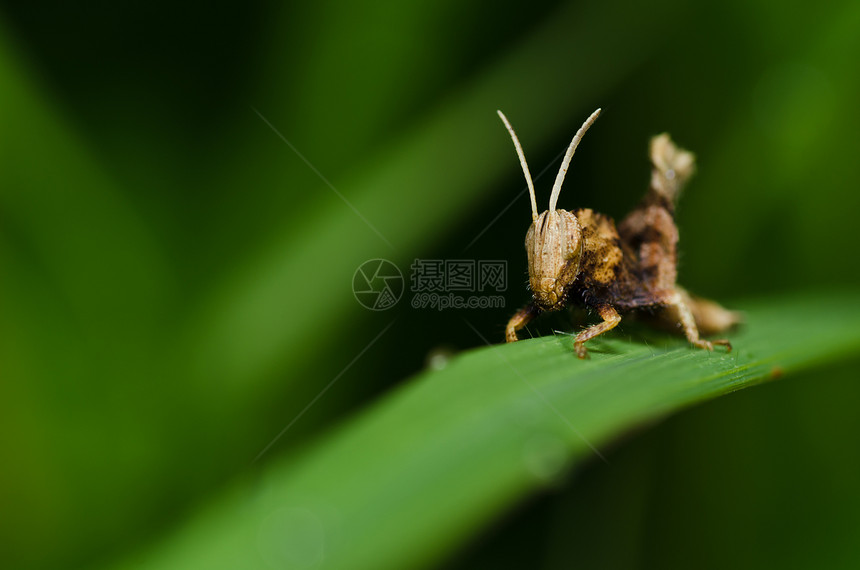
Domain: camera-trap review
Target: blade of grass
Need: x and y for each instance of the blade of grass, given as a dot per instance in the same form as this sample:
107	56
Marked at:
59	205
84	284
406	481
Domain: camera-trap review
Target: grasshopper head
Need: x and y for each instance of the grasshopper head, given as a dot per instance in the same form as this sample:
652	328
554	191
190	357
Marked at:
554	240
553	247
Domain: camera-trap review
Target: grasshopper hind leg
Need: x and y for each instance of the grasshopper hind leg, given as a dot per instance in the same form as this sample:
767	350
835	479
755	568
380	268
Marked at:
681	309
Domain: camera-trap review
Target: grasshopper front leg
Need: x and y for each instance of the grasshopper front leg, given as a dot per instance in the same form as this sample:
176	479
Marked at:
610	319
519	320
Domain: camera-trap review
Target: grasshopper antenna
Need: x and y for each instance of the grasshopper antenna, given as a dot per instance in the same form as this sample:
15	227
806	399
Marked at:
559	179
523	164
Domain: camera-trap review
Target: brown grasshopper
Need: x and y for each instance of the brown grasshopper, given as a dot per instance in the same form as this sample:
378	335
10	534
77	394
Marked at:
582	258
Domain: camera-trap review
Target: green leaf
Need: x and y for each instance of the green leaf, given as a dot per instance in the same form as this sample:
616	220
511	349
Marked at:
421	471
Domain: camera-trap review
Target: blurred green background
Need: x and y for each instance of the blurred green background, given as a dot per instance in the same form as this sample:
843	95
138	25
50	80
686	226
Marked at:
175	280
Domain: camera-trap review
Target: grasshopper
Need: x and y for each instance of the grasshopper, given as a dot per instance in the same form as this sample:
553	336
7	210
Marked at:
581	257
